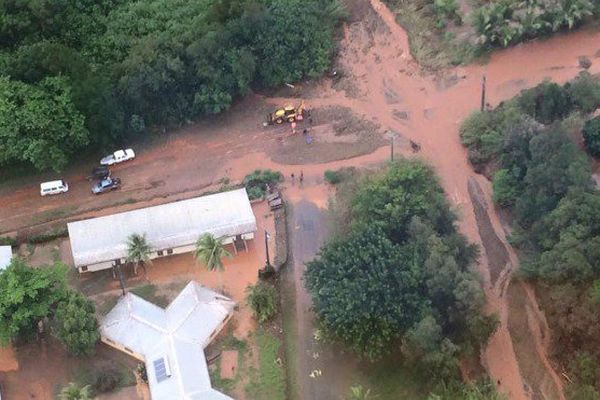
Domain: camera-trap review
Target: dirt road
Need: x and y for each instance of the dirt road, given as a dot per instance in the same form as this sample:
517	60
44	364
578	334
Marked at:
381	84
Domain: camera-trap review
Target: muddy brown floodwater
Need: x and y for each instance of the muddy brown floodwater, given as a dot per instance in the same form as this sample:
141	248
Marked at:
381	84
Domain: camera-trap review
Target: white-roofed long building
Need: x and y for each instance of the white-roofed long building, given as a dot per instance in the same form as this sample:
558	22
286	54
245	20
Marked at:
171	341
101	243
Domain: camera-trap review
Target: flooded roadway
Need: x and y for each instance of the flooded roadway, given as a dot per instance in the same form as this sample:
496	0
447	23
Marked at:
375	56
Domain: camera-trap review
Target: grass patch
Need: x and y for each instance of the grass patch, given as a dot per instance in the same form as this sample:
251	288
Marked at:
268	381
53	214
106	303
149	292
290	339
391	380
229	342
97	377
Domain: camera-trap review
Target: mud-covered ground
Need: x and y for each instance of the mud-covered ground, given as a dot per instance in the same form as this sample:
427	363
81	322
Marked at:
378	92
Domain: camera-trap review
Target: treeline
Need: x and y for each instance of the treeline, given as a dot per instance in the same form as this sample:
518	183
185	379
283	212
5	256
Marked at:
544	179
85	74
398	276
506	22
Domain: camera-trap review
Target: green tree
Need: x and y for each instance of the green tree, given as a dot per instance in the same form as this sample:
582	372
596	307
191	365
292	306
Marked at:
262	298
74	391
210	252
506	188
75	324
138	251
591	136
365	291
28	295
584	92
39	124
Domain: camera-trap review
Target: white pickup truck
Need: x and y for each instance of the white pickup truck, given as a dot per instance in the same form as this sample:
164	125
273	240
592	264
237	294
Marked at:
118	157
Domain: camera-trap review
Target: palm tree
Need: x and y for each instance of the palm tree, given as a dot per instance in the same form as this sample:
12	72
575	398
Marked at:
138	251
74	392
210	252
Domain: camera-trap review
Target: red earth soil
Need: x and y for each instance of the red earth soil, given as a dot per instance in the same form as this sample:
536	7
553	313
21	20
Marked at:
375	57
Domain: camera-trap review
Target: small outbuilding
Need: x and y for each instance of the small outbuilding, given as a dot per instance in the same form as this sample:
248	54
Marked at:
5	256
171	341
101	243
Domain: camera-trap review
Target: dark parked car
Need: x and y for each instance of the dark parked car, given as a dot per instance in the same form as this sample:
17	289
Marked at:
101	172
106	185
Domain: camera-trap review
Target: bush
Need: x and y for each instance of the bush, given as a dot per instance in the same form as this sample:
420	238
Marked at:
332	177
8	241
49	235
262	299
505	188
256	183
107	380
584	92
591	136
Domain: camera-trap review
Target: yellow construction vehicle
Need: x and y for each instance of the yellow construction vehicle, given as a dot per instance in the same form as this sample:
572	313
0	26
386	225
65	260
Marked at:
289	113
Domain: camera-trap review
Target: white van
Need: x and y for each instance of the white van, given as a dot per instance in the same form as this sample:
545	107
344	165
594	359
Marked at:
53	187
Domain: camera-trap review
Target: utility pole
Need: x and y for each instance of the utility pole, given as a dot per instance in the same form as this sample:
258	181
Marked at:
121	280
483	81
267	248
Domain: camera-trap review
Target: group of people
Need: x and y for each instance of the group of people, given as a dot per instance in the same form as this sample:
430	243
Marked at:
301	177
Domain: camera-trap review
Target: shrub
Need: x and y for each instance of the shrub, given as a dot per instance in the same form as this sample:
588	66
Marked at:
591	136
262	299
8	241
332	177
49	235
584	92
256	183
505	188
107	380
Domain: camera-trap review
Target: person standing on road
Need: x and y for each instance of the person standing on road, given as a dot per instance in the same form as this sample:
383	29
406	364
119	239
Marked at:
301	177
293	177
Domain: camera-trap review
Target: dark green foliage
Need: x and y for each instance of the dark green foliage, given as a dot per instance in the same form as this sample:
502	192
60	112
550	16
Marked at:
39	124
591	135
75	325
401	275
7	241
332	177
107	380
408	189
117	68
28	295
584	92
262	299
256	183
545	102
48	235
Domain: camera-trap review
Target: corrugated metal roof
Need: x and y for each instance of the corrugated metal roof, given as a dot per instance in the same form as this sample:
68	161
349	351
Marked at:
5	256
178	334
166	226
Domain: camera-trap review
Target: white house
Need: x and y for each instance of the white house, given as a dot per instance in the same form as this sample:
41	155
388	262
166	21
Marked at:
5	256
101	243
171	341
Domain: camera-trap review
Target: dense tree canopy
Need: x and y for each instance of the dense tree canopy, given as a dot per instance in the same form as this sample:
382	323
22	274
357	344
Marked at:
401	277
76	325
545	180
115	68
27	295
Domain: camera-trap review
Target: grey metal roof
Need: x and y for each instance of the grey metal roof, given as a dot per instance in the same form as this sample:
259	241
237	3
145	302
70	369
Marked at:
5	256
166	226
177	334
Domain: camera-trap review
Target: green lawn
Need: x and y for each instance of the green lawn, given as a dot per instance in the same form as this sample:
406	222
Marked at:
268	381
